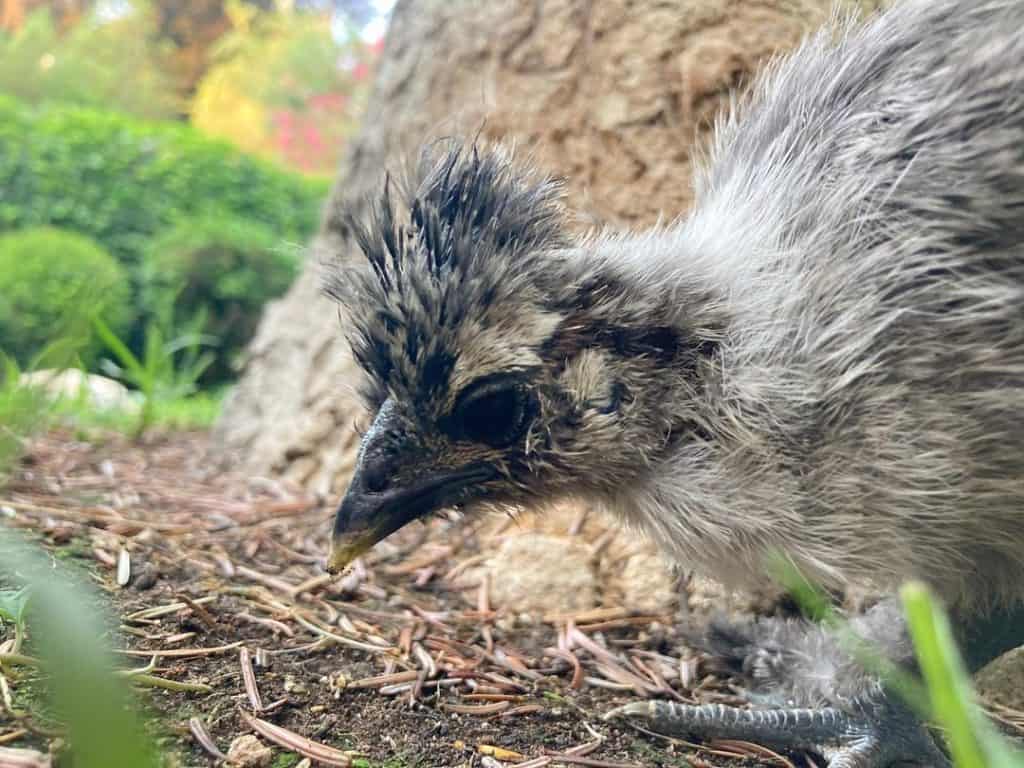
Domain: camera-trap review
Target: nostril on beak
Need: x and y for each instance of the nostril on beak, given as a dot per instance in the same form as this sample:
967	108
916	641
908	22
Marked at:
376	476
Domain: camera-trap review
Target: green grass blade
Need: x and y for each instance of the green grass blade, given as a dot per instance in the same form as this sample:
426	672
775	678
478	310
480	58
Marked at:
128	361
24	410
67	631
972	740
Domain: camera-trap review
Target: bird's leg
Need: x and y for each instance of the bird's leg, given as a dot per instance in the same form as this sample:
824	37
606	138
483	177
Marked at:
882	733
813	696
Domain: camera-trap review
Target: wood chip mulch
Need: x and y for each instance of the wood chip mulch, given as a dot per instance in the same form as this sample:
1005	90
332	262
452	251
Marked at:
232	627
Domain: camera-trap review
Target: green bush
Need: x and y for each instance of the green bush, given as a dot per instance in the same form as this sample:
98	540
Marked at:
122	180
52	283
226	267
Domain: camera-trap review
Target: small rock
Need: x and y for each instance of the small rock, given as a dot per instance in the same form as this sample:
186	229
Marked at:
291	685
24	758
145	577
1002	681
647	584
248	752
706	596
545	574
102	393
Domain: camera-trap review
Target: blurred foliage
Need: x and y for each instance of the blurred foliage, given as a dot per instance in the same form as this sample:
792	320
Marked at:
85	64
66	13
280	78
52	284
70	631
283	85
191	29
225	266
122	181
172	361
174	39
196	411
178	210
24	409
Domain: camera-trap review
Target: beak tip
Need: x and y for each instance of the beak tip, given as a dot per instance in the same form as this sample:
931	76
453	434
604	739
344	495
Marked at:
337	561
345	550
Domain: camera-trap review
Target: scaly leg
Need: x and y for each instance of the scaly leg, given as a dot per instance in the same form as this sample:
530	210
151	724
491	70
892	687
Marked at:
882	735
814	696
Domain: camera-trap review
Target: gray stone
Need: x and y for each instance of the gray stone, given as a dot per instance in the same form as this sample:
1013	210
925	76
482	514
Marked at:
247	751
102	393
541	574
1002	681
647	584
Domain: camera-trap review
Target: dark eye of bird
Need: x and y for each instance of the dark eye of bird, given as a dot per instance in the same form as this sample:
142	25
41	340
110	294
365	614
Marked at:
491	412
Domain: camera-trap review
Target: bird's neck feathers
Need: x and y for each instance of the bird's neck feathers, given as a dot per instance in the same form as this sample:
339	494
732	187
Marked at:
638	348
637	287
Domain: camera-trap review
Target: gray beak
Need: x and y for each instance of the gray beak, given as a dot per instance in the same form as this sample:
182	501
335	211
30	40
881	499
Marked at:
378	502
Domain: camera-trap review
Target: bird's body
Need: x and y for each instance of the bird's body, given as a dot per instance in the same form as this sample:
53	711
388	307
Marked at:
824	359
861	224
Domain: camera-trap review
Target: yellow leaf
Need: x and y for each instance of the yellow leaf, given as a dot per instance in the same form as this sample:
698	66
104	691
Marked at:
498	753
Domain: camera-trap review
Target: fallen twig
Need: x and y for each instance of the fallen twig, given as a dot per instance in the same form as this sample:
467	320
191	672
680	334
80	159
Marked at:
296	743
203	738
184	653
249	680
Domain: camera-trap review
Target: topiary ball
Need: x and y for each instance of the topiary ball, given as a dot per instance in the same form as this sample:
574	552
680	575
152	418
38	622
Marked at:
222	265
52	284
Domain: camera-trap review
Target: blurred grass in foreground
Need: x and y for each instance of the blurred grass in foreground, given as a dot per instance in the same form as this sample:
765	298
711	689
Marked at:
973	740
69	631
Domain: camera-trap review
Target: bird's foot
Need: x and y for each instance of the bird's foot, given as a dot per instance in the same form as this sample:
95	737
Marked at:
875	735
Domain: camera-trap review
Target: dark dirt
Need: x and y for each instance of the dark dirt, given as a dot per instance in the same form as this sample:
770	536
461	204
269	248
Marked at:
250	550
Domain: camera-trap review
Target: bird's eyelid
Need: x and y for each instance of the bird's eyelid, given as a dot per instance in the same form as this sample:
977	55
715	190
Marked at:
494	409
489	384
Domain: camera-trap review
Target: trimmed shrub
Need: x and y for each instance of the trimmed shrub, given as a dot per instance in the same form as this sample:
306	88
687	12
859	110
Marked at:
52	283
226	267
122	180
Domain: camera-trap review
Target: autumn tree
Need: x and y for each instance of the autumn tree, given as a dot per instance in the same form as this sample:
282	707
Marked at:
285	85
65	12
193	28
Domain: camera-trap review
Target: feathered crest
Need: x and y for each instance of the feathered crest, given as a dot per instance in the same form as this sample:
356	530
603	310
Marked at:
464	227
460	204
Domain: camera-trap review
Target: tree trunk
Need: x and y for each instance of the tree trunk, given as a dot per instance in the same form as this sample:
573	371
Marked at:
614	95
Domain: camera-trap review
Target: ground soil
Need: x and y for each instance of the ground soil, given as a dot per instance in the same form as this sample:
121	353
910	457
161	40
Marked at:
237	564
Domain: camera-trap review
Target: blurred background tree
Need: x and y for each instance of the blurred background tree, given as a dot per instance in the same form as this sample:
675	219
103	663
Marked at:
279	78
287	85
65	12
80	59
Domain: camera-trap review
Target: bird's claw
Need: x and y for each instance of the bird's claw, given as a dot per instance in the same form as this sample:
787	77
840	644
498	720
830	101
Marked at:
878	736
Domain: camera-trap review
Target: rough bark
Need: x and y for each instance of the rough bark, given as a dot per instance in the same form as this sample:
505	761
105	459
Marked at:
614	95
